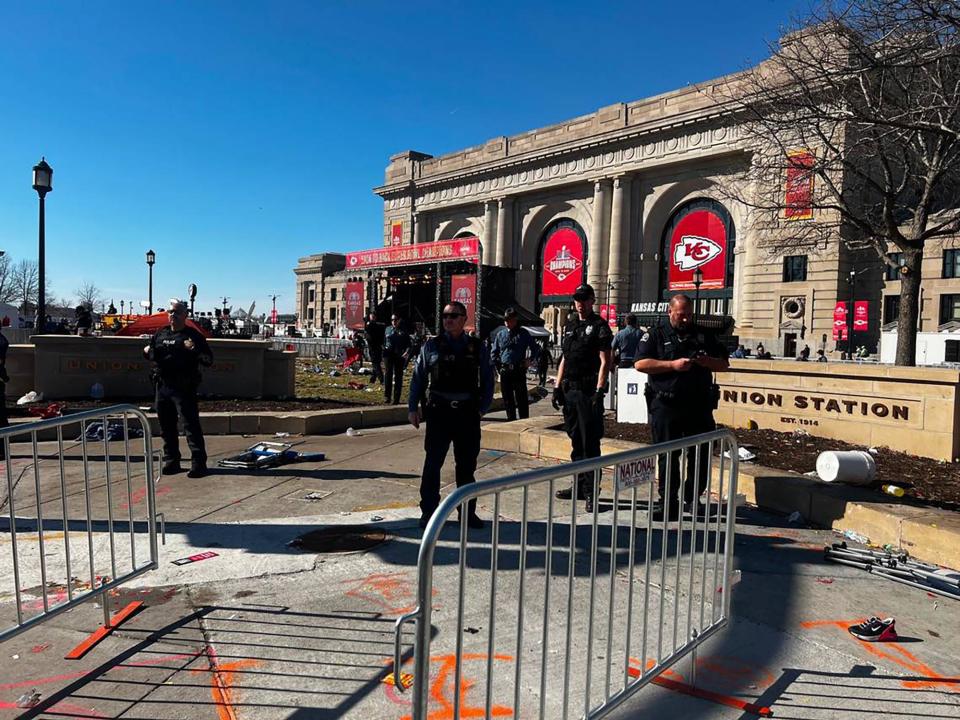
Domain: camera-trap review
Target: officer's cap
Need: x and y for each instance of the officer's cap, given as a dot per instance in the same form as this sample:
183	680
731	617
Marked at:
509	313
584	292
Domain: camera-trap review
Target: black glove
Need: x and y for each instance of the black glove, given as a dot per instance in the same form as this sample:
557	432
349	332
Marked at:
598	399
558	398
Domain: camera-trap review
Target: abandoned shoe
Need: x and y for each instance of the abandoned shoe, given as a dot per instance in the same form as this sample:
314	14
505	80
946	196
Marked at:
171	467
197	471
875	630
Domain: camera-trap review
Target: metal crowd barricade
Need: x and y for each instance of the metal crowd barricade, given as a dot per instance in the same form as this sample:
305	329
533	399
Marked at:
642	599
51	511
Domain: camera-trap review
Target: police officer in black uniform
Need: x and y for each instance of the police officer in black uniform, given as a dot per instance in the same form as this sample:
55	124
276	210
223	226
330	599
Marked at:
581	385
177	352
680	359
453	378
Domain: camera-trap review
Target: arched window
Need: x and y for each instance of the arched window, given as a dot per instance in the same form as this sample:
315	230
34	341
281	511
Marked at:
562	261
700	236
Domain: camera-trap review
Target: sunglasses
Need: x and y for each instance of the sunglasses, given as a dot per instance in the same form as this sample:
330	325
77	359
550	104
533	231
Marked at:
452	316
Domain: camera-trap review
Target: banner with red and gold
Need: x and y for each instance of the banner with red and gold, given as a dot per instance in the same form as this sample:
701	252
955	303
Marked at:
609	313
463	289
798	202
840	321
353	299
561	264
861	310
396	233
699	240
466	248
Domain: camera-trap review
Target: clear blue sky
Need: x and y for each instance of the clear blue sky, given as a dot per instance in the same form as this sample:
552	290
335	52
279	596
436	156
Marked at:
234	137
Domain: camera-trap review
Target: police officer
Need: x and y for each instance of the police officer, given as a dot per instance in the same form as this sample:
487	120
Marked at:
454	380
581	385
625	343
374	330
680	360
396	353
509	355
177	352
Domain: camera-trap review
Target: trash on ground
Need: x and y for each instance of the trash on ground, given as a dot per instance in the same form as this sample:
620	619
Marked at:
854	467
406	680
873	451
32	396
743	454
364	371
29	700
195	558
354	385
825	580
281	434
376	518
899	567
351	432
795	517
894	490
94	430
812	473
334	373
471	630
268	455
47	411
856	537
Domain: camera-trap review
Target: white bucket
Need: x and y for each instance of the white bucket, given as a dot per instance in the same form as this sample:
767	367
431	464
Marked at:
854	467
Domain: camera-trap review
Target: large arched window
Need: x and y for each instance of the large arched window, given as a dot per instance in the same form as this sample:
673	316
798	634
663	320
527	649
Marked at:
562	262
700	236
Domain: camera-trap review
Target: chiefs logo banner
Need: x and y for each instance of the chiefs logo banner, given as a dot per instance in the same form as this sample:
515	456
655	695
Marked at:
699	241
396	233
353	297
562	263
463	289
840	321
861	315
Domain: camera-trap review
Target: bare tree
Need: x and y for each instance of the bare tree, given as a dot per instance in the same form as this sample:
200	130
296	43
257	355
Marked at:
89	294
6	279
25	285
854	131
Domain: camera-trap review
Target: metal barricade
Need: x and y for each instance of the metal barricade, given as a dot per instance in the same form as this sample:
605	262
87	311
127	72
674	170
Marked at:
682	569
48	542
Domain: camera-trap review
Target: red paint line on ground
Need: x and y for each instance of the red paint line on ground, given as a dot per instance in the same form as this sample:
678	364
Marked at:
100	633
75	675
761	710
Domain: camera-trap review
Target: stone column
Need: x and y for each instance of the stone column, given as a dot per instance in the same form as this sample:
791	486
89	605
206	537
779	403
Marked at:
618	268
597	241
489	238
419	225
504	257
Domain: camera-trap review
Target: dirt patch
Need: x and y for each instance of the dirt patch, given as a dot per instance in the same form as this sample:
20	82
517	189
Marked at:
929	481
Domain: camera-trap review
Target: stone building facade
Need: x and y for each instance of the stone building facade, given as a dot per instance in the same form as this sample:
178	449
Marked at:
624	179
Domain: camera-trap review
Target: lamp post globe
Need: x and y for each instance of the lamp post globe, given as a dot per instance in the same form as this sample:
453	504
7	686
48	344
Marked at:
151	259
42	183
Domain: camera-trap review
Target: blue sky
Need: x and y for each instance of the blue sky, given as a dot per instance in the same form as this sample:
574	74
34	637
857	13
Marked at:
234	137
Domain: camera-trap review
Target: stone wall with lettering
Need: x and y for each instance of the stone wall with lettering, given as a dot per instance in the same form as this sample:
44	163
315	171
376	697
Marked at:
908	409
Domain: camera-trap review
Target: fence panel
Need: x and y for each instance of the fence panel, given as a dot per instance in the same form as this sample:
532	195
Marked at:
80	510
571	613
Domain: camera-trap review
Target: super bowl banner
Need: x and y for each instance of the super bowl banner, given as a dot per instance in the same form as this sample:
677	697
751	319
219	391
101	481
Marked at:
463	289
562	264
699	240
861	309
353	299
798	202
466	249
840	321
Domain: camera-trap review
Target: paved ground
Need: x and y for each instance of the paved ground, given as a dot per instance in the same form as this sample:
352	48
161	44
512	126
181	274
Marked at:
264	630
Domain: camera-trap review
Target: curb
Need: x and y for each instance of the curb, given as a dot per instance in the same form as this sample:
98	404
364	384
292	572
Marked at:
928	534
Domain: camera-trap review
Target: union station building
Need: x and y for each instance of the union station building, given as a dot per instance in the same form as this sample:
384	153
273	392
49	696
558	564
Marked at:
630	199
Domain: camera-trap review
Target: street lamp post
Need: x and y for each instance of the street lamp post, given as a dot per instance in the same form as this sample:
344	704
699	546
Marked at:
697	282
151	259
42	183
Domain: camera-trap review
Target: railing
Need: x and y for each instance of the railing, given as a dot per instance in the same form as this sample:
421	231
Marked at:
681	563
53	496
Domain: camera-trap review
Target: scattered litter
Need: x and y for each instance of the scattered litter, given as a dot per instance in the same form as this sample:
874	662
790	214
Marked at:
891	548
406	680
376	518
894	490
471	630
812	473
856	537
281	434
873	451
267	455
354	385
47	411
29	700
344	512
364	371
32	396
39	648
334	373
743	454
94	431
15	657
316	495
351	432
825	580
195	558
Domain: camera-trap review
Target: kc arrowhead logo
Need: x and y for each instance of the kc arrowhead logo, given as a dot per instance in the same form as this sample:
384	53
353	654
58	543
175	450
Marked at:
693	251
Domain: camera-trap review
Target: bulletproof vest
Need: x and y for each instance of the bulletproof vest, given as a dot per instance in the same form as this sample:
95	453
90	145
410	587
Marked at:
581	349
455	373
672	346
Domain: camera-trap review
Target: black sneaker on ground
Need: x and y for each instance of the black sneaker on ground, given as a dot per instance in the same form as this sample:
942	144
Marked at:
197	471
172	467
659	514
565	493
875	630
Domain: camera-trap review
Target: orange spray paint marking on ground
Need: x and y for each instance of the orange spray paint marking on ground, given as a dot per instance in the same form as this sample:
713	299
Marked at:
221	682
394	592
904	659
445	676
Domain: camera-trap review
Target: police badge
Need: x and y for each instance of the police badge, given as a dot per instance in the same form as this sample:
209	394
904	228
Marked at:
589	329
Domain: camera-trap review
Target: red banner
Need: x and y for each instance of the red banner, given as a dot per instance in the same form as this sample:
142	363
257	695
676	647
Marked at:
840	321
467	248
273	316
609	313
699	241
463	288
562	263
396	233
799	186
861	310
353	297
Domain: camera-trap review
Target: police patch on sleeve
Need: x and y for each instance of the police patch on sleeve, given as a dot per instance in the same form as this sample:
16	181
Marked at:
645	338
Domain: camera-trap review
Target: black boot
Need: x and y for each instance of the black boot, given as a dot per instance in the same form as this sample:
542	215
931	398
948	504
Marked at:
565	493
171	467
197	470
